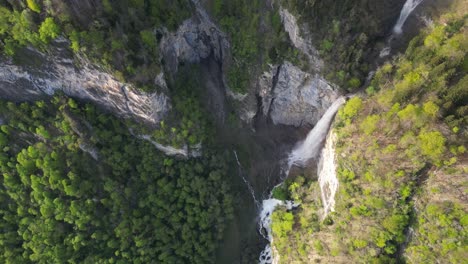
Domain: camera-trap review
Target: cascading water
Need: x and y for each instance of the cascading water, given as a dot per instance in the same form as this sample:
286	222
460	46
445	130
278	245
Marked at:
251	190
311	146
305	151
409	6
268	206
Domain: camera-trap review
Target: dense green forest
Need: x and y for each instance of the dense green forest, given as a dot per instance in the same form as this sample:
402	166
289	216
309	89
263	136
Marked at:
78	187
190	123
401	164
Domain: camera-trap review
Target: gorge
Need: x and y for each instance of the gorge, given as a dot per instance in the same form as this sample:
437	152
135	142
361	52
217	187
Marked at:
241	131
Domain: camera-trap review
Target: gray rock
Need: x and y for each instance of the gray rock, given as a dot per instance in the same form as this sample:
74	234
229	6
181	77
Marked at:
196	39
42	75
293	97
300	38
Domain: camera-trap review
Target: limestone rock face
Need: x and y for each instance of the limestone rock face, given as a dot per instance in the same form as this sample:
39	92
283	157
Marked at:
293	97
41	75
196	39
301	38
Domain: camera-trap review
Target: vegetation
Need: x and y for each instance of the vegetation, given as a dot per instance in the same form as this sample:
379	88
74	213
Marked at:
120	35
189	123
261	41
78	187
348	31
401	163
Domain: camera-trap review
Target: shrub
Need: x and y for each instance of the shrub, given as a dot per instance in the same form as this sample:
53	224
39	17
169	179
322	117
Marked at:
370	90
432	144
282	223
370	124
34	6
280	192
327	45
48	30
431	109
354	83
359	243
352	107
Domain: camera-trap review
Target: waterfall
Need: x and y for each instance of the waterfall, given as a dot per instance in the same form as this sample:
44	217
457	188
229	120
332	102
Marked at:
327	179
409	6
311	146
249	186
268	206
305	151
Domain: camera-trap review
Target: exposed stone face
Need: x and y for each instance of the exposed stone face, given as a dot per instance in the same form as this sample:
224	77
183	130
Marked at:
41	75
301	38
196	39
293	97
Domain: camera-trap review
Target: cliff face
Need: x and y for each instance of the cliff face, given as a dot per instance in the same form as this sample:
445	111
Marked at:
37	75
291	96
196	39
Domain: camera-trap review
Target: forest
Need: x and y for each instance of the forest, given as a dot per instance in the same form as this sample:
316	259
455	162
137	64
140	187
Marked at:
78	187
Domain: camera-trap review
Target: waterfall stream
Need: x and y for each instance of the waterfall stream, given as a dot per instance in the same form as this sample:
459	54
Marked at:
409	6
312	145
249	186
301	154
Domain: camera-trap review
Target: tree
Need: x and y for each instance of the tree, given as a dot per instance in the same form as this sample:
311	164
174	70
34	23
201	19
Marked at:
48	30
432	144
34	6
352	107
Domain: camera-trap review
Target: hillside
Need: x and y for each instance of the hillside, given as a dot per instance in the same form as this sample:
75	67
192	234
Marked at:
402	165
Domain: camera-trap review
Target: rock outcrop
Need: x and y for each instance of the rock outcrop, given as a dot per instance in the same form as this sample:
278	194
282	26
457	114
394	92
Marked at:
196	39
301	39
41	75
292	97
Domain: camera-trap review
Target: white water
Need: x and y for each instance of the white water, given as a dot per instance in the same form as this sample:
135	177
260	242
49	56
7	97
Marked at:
311	146
409	6
327	179
305	151
268	206
249	186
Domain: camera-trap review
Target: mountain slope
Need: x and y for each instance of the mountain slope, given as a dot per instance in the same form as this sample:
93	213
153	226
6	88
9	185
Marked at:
402	164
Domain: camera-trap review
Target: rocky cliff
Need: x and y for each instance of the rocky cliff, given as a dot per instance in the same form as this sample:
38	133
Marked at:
196	39
37	75
291	96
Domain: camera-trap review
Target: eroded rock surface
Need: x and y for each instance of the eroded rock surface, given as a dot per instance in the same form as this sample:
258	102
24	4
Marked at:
301	38
39	75
196	39
293	97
